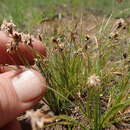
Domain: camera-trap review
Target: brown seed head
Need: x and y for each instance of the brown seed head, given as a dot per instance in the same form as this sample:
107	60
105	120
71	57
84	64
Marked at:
8	27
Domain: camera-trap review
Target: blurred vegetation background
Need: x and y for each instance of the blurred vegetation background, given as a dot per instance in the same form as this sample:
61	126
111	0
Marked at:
31	12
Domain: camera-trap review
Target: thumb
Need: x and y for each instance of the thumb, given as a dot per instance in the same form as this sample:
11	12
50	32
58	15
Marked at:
19	91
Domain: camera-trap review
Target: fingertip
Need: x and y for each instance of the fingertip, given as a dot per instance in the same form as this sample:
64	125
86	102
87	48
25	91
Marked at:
19	91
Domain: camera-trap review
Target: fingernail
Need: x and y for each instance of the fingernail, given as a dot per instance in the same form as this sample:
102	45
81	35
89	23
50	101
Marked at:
28	86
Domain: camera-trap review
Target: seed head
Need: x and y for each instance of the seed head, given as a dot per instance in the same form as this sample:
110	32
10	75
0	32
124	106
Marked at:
119	24
38	119
8	27
114	35
27	39
94	81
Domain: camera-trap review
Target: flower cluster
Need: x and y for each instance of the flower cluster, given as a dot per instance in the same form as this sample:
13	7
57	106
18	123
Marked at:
17	37
94	81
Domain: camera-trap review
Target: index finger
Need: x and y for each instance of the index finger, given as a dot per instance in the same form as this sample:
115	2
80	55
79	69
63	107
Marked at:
23	51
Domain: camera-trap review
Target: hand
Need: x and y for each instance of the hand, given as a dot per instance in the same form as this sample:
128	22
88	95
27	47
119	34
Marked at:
19	89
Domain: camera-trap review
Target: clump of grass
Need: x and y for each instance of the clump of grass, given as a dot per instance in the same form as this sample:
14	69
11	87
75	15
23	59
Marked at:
88	79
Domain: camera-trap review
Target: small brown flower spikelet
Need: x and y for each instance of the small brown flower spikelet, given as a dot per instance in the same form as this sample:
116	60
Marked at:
27	39
8	26
119	24
114	35
94	81
13	46
87	37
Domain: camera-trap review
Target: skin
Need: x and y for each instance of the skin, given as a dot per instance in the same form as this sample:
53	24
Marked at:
10	105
